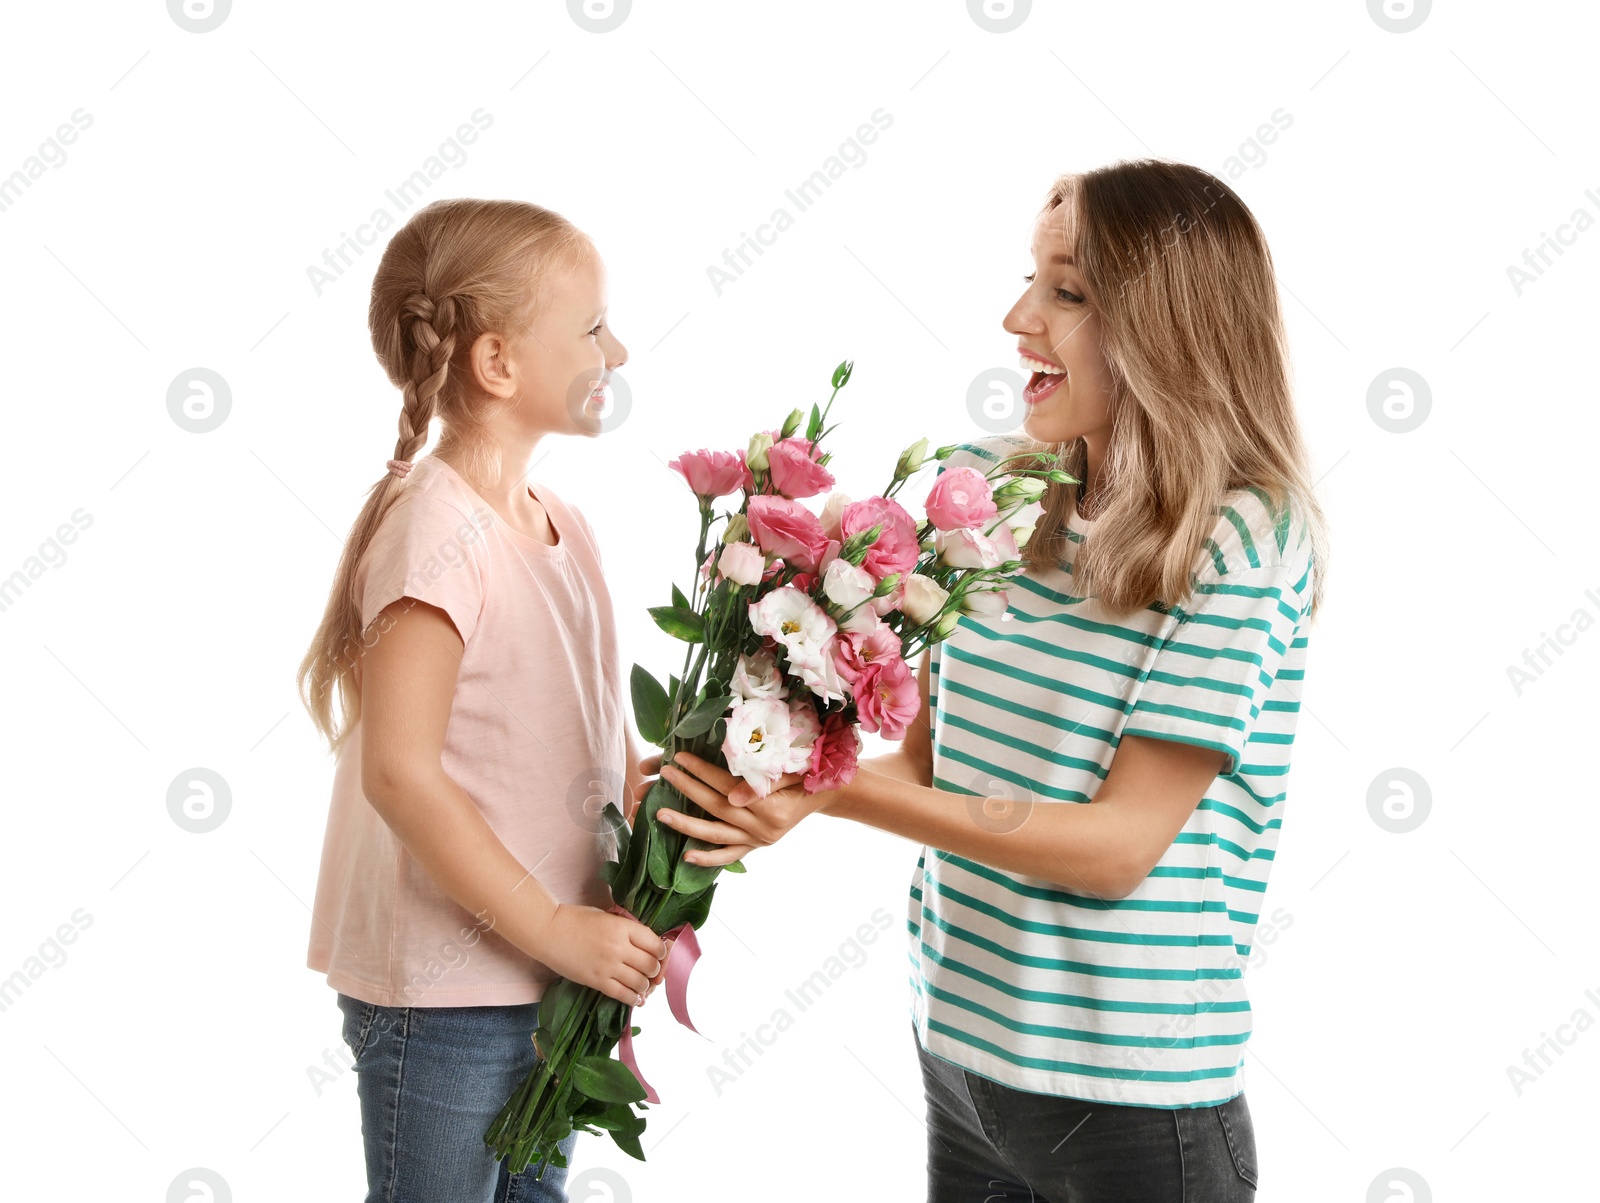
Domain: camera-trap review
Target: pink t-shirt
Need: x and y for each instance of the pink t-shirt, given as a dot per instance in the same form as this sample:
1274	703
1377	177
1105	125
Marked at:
536	729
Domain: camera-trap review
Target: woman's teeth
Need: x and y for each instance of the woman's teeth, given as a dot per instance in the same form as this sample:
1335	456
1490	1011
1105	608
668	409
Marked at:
1030	364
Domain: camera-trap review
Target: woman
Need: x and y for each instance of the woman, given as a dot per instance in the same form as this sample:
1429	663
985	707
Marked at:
1099	776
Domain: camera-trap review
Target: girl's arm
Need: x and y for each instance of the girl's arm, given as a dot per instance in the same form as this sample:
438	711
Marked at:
1102	849
408	680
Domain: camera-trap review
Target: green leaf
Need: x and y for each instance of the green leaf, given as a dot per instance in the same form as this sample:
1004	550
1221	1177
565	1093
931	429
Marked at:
679	622
679	600
841	374
649	706
561	998
737	866
629	1144
690	878
814	426
659	856
619	1117
686	908
612	816
704	714
603	1078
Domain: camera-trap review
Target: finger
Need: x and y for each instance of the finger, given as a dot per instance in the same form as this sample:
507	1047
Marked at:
718	778
646	963
633	981
710	830
717	856
650	765
692	787
615	989
643	938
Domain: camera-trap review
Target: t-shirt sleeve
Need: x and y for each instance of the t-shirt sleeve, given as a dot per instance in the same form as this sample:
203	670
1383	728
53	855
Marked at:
427	549
1210	677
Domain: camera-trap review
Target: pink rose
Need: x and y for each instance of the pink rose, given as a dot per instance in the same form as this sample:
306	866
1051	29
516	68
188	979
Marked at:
896	549
742	563
713	473
786	528
856	651
833	755
887	699
961	497
794	471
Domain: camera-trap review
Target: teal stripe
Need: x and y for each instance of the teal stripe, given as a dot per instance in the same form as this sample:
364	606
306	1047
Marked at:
1061	931
1088	1002
961	689
1075	1067
1249	544
1066	898
1085	1035
1088	968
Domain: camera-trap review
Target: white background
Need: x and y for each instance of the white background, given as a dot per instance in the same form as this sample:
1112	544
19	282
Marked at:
180	1028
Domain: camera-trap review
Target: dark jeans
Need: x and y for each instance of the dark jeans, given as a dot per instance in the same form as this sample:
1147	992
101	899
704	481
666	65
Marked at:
431	1080
988	1143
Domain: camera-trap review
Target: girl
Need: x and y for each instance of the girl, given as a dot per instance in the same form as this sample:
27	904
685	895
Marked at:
470	637
1099	780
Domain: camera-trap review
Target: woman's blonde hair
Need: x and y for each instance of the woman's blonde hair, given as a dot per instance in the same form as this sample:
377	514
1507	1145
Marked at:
1202	405
458	269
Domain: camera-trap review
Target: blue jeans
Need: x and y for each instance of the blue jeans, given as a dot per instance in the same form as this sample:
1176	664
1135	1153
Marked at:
430	1081
989	1142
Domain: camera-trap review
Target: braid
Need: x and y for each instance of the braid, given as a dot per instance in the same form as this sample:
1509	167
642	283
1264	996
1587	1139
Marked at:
431	326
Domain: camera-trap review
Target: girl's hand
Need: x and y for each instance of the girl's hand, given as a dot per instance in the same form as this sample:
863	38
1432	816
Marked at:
744	822
621	958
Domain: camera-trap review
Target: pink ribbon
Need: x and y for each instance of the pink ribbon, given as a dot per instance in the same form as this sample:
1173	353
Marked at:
678	969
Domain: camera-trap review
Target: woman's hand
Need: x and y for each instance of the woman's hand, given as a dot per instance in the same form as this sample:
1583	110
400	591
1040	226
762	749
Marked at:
743	821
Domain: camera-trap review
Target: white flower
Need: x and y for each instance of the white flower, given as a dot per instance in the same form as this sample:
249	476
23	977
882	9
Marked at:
832	512
757	743
846	585
816	667
923	599
804	727
863	620
988	603
793	619
756	677
742	563
969	549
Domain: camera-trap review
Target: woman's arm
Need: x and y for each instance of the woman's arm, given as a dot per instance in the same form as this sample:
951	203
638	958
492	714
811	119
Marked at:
408	680
1103	849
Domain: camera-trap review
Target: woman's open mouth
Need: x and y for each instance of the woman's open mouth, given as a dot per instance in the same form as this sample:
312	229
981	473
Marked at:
1045	378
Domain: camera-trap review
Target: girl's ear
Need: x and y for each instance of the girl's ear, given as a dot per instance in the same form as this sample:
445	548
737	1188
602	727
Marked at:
491	369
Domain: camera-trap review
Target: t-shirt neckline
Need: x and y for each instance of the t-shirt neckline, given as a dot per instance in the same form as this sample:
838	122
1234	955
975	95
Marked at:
556	549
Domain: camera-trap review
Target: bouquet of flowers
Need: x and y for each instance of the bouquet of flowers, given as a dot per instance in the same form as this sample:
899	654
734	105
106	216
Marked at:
798	633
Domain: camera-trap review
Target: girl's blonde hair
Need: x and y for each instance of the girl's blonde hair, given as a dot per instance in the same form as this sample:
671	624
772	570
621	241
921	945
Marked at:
458	269
1201	399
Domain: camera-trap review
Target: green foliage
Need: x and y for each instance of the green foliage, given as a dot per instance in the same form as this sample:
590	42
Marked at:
650	706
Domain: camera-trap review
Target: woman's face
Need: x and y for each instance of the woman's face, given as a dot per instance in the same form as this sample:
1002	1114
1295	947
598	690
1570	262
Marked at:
1068	395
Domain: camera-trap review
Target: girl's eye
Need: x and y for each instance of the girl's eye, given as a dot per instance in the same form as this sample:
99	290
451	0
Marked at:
598	328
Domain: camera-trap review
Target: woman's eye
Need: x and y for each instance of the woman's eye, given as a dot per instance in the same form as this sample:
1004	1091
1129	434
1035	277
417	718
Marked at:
1070	298
598	328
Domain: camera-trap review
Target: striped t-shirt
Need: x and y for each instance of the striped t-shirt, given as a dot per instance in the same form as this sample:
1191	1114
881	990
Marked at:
1139	1000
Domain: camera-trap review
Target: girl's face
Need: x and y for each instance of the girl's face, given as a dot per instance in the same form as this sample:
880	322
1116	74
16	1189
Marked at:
559	365
1068	395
